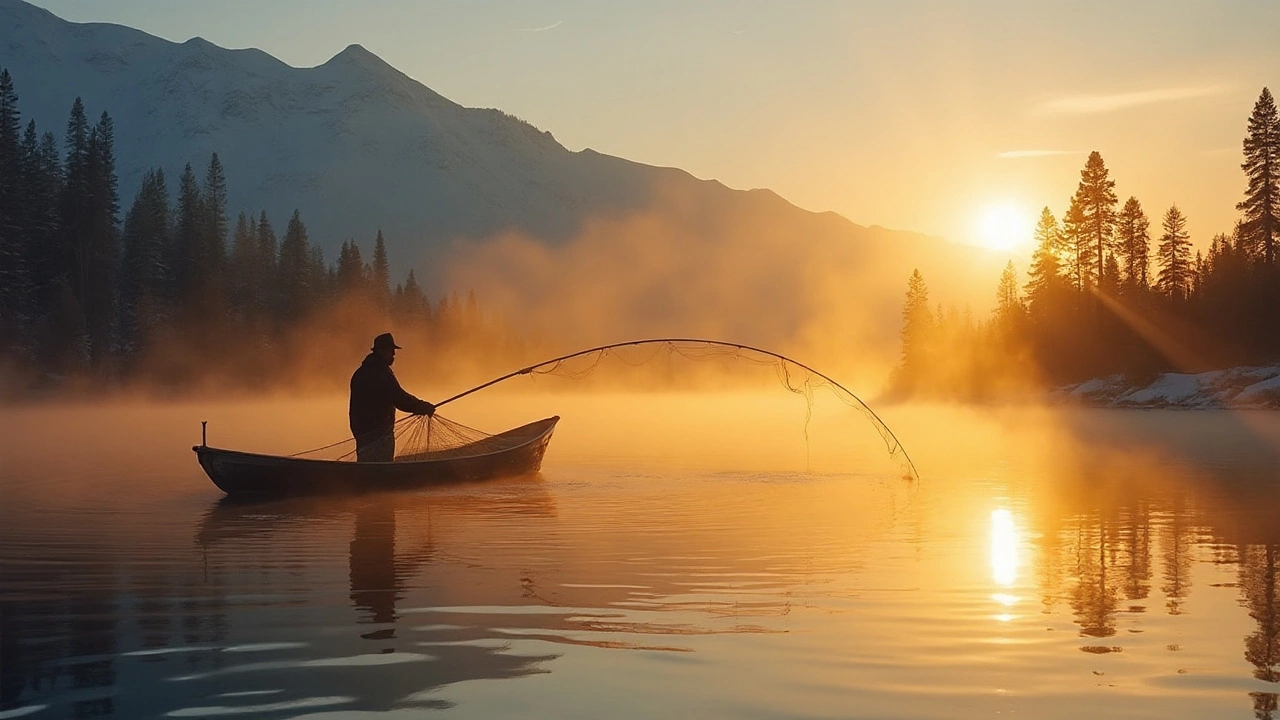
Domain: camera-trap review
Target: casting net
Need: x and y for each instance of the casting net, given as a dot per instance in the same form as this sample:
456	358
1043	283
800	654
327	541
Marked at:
654	354
419	437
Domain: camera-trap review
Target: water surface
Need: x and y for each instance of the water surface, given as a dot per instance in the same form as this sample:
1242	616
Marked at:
677	557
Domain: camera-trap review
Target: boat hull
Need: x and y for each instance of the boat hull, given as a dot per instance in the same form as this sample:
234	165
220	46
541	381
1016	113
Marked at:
241	474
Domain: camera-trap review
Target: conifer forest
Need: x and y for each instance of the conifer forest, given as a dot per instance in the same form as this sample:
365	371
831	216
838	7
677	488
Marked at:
174	292
1114	288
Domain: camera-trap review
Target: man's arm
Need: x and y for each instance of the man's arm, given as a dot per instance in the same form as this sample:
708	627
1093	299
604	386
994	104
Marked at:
406	402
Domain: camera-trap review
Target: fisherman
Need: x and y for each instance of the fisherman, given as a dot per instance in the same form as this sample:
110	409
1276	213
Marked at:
375	395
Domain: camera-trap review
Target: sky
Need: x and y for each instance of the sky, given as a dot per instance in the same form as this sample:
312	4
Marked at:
914	115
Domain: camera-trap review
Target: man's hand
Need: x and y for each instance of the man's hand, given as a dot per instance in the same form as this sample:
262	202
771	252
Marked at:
427	409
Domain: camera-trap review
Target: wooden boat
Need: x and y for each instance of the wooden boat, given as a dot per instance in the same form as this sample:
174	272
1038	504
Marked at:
515	452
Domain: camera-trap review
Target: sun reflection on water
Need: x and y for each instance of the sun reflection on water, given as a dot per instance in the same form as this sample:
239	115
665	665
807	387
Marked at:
1004	557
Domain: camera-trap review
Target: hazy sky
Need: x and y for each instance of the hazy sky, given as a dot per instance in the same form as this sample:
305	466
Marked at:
913	115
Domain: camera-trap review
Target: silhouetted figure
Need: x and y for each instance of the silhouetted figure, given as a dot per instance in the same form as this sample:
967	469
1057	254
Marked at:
375	582
375	395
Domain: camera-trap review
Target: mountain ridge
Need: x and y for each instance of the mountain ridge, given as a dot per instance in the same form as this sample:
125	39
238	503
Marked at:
357	146
225	100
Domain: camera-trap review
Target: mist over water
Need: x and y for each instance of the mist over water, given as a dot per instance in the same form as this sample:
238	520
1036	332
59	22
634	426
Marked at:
680	554
748	269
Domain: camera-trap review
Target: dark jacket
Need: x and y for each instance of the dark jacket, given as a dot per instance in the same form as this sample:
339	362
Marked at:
375	395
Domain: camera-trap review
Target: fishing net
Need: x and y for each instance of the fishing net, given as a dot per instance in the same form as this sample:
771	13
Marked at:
418	437
796	377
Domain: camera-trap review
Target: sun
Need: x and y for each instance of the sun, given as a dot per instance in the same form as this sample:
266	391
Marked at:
1004	227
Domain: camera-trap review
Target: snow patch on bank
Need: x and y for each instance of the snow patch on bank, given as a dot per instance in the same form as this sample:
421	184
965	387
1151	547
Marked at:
1242	387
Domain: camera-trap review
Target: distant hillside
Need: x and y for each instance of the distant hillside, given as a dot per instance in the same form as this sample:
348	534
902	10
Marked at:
353	143
357	145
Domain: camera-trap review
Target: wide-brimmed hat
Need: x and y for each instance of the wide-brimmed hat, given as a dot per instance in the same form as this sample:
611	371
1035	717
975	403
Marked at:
385	341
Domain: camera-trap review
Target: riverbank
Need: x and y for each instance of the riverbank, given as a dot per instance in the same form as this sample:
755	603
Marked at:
1240	387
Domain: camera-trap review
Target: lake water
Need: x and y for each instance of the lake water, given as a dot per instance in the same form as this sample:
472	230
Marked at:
695	556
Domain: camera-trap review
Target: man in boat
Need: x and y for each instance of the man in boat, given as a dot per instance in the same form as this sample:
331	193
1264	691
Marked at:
375	396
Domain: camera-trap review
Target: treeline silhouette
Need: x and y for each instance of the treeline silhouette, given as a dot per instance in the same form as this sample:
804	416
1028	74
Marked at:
1114	564
1103	296
161	297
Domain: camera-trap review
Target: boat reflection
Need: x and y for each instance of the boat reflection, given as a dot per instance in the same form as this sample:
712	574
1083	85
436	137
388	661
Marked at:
392	544
465	586
391	602
382	562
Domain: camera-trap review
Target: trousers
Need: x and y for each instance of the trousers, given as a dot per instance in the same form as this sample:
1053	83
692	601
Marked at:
376	447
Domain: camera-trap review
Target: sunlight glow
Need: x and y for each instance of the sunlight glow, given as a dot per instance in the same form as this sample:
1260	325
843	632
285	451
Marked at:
1005	227
1005	599
1004	558
1004	551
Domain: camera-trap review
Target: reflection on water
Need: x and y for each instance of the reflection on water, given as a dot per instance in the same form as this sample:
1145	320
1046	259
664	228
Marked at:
1004	548
1120	564
377	582
1004	558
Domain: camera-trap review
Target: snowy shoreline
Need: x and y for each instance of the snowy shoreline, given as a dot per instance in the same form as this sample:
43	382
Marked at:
1236	388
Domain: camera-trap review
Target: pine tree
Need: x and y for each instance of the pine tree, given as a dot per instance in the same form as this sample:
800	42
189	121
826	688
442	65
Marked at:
11	175
74	251
1010	309
1111	276
381	274
214	196
1133	245
242	268
188	272
450	314
28	165
266	290
144	281
917	329
77	140
1261	206
1044	279
200	243
294	271
1097	199
42	198
350	271
1077	246
266	238
1231	298
320	286
1174	254
103	226
1199	269
15	285
10	141
410	305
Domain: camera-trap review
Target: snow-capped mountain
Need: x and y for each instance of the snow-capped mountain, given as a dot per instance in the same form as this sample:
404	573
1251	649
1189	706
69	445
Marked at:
353	143
356	145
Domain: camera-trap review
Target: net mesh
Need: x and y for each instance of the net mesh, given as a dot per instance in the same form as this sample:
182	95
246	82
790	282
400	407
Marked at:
417	438
794	376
